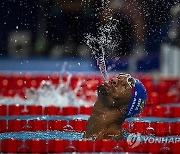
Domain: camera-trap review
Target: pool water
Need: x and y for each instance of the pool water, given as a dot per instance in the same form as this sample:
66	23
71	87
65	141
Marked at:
45	117
46	135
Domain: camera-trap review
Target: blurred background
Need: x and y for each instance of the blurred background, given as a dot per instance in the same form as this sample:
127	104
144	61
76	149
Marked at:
45	35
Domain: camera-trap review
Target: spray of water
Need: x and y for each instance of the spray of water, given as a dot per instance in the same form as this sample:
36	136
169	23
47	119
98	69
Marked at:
61	95
48	94
104	42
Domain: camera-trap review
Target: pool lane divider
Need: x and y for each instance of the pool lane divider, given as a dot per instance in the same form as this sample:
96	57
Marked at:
83	145
17	125
158	128
17	109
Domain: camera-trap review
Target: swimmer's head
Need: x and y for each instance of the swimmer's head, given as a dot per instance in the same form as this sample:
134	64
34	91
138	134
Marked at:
138	98
121	90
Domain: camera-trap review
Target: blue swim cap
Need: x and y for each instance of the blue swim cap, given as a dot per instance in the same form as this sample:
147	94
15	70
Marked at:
138	99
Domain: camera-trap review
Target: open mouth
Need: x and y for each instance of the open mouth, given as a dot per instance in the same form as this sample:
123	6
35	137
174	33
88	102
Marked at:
104	88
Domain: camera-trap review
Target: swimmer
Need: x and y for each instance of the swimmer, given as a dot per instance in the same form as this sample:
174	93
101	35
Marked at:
120	98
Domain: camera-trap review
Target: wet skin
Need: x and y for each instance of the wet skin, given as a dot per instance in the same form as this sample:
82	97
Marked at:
110	109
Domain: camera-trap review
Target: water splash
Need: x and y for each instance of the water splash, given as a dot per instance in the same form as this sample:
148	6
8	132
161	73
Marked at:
105	41
48	94
61	95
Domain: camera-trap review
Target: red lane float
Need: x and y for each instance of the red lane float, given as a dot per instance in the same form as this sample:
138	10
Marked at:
16	125
17	109
58	145
175	111
35	145
105	145
158	128
57	124
3	125
153	98
3	110
10	145
37	125
160	111
175	128
85	110
71	110
139	126
34	110
78	124
83	145
52	110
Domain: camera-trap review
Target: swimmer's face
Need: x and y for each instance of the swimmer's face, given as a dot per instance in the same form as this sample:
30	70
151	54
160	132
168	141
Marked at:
118	91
